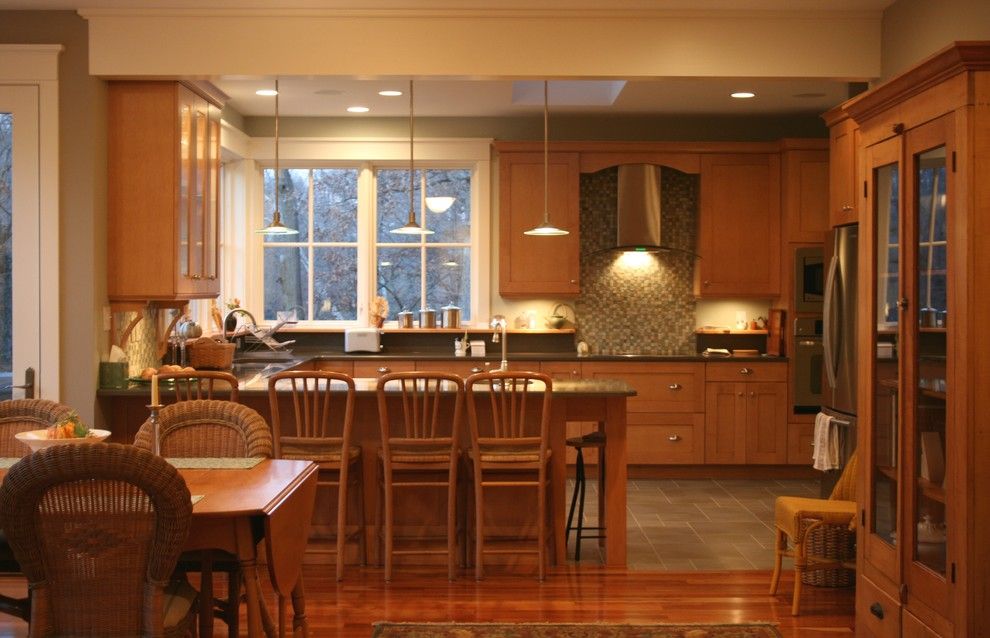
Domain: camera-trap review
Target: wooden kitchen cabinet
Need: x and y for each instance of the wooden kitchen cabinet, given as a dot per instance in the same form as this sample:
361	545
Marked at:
739	226
805	195
538	266
666	417
843	196
746	413
922	555
163	192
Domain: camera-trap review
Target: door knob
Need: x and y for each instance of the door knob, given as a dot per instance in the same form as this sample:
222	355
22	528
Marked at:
27	386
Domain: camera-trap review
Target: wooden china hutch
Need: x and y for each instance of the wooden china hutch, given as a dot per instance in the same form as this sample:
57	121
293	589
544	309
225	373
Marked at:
923	157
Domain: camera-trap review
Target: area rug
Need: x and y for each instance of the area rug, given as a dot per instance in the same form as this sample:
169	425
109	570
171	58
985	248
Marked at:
570	630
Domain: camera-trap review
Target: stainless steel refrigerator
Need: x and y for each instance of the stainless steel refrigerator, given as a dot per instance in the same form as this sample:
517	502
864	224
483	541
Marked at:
839	337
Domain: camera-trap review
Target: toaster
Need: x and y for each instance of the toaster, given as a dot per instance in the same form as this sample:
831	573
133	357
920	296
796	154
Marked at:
362	340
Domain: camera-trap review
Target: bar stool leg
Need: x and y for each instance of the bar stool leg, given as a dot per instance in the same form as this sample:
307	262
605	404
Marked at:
581	483
574	497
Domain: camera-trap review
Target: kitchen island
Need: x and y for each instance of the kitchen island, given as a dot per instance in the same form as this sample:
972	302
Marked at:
602	401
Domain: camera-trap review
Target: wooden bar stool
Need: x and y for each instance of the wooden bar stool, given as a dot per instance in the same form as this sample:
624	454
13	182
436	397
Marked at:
592	440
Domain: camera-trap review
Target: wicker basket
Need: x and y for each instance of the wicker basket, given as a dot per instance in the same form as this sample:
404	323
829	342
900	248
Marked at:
833	542
208	354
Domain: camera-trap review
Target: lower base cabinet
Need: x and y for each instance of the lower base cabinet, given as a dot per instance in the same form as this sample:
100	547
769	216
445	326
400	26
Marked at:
746	422
877	614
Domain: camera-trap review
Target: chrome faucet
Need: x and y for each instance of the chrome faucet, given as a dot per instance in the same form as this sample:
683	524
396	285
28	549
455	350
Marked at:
498	322
232	313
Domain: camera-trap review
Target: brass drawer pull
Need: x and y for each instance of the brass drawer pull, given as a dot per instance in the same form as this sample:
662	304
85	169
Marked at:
384	370
746	371
847	208
475	370
675	386
674	438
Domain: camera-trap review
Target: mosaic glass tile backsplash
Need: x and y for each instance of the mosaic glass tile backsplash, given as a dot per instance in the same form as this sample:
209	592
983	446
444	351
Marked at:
637	303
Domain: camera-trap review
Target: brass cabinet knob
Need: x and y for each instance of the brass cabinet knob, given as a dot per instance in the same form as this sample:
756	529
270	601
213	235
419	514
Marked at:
475	370
674	438
746	371
847	208
384	370
674	386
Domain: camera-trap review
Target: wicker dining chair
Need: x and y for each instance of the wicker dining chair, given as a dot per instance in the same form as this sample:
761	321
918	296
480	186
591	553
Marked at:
201	384
508	447
97	529
215	429
16	416
816	524
418	445
322	420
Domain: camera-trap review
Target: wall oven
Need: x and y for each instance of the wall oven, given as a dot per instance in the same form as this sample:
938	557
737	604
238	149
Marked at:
808	357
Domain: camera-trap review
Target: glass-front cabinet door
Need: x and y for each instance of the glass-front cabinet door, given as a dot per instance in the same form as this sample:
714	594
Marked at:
927	368
882	234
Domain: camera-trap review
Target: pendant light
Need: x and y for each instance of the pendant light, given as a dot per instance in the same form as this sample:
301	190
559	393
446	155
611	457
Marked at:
411	227
276	227
546	229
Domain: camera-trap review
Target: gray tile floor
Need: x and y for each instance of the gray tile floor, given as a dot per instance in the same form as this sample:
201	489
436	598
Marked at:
696	524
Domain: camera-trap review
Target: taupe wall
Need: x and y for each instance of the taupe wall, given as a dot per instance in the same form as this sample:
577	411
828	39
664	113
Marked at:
911	30
82	197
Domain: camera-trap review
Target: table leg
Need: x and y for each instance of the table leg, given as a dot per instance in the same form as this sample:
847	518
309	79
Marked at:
300	625
615	484
246	554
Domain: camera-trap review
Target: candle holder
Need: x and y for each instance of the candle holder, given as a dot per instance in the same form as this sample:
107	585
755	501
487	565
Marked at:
156	442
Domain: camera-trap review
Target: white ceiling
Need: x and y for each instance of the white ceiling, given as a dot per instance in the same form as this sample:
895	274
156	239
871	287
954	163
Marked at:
460	97
328	96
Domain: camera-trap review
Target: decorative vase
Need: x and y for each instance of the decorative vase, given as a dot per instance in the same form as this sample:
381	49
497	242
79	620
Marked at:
230	323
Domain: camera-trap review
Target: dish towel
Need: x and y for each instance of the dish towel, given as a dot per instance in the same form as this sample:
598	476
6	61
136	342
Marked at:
826	440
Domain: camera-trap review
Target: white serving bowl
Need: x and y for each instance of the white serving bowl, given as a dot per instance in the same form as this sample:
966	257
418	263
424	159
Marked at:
38	439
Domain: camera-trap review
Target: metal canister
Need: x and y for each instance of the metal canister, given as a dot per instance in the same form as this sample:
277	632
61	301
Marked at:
405	319
451	316
427	318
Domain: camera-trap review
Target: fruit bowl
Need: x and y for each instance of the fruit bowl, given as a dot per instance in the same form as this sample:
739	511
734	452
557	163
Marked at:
38	439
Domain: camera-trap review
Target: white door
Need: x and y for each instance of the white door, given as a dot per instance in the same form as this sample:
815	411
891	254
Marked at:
20	215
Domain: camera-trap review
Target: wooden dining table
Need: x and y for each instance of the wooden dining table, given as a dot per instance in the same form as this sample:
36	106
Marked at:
272	501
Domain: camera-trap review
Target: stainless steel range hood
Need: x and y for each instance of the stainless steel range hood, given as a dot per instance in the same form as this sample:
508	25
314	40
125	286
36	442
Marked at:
638	228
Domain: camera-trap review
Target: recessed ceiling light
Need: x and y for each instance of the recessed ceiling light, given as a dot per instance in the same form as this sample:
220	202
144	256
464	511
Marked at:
357	109
743	95
390	93
266	92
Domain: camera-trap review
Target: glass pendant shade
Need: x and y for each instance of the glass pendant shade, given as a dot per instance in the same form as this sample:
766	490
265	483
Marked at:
276	227
546	229
440	204
411	227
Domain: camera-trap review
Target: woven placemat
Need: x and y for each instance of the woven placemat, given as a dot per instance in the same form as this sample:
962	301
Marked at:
215	464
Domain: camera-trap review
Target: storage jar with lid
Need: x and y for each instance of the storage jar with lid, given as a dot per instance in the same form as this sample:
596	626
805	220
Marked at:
427	318
451	316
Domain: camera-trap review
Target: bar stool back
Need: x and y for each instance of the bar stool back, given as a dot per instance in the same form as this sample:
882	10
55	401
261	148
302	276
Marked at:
201	384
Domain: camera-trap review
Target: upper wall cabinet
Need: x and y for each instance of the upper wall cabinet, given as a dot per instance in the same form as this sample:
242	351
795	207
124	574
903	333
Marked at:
163	186
739	226
843	203
536	266
805	196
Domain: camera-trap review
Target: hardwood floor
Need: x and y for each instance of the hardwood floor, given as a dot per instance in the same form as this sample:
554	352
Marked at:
571	594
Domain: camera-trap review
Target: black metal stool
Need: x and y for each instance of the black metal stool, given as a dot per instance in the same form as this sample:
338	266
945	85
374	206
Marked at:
579	443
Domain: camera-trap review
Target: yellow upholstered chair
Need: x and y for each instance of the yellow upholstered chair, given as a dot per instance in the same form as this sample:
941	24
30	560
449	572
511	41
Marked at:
796	518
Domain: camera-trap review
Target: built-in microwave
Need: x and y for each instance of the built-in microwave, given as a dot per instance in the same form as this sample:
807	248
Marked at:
809	279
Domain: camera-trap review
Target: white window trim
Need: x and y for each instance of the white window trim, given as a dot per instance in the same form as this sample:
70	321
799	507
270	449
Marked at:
246	280
37	65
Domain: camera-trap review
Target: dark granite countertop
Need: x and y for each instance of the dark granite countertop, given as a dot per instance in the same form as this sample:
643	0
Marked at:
252	375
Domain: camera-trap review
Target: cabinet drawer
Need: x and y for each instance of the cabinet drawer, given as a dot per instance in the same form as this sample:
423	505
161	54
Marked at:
915	628
877	612
374	369
666	439
467	366
561	370
660	388
329	365
731	371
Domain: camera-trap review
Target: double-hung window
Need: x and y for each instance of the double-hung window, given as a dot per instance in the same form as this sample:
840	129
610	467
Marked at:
345	255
